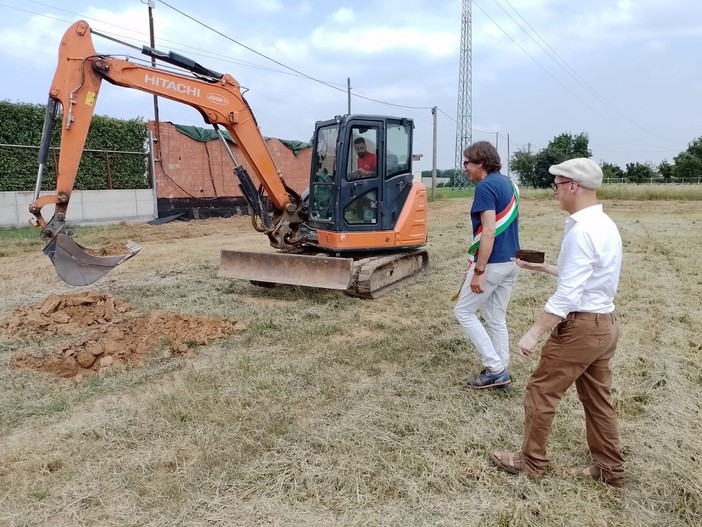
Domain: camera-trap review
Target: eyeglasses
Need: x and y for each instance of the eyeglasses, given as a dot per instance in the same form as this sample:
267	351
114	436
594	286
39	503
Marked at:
466	163
554	185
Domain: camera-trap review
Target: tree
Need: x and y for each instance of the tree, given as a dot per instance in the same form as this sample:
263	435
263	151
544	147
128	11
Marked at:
22	124
688	164
523	163
639	172
695	148
612	172
688	168
544	159
533	168
571	146
665	169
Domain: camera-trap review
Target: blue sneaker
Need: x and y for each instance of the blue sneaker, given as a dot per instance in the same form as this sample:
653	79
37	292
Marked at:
489	379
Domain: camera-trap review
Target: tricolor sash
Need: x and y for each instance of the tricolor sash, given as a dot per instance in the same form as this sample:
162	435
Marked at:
503	220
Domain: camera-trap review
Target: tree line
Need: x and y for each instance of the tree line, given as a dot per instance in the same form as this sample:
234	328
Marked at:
532	168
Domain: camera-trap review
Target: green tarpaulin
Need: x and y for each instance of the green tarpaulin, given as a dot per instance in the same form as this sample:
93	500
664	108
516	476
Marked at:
208	134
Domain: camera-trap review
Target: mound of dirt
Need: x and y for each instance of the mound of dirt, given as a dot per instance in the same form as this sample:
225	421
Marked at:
107	341
67	314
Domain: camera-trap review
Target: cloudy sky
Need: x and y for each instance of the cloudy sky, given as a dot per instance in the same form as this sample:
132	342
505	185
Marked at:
626	72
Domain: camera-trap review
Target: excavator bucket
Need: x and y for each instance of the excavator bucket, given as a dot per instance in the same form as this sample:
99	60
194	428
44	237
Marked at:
326	272
75	264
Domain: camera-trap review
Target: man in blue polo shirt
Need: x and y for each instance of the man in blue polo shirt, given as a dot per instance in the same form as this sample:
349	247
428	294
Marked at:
491	272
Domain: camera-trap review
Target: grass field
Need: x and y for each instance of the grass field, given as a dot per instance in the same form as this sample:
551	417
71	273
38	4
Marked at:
328	410
628	192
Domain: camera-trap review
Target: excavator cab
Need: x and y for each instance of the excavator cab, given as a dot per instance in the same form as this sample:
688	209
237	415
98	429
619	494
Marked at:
369	160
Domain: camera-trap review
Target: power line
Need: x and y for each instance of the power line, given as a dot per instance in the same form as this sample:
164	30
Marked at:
542	67
447	115
615	123
473	129
330	84
636	151
250	48
305	75
178	46
563	64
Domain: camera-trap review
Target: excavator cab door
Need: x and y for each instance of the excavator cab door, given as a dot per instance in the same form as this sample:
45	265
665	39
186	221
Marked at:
361	176
361	173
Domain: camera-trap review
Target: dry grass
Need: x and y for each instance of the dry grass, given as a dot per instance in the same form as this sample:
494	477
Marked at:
329	410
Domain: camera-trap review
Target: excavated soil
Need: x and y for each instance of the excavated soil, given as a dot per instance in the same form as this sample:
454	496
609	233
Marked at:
107	335
112	249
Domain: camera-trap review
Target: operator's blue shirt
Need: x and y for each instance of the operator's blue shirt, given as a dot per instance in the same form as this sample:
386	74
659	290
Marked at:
495	193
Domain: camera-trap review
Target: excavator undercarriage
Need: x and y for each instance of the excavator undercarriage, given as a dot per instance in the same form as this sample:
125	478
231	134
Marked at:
367	276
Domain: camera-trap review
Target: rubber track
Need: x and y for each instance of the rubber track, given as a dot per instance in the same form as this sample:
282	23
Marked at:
366	270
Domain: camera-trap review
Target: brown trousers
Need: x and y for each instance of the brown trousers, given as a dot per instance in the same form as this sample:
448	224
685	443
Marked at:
578	351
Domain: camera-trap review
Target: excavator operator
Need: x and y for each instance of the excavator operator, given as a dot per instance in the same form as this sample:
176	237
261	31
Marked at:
367	161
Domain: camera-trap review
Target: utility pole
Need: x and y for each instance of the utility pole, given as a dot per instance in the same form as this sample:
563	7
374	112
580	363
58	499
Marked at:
152	6
348	91
507	154
433	156
155	137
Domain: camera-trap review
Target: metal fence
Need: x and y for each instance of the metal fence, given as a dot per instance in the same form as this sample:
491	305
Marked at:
652	181
19	164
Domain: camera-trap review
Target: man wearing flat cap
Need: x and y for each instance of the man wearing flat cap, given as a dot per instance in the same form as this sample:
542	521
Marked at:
584	332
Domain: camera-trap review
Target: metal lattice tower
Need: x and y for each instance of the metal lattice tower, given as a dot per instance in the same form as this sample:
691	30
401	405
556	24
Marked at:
464	113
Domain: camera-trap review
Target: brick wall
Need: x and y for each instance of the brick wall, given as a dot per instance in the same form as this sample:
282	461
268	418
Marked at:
187	169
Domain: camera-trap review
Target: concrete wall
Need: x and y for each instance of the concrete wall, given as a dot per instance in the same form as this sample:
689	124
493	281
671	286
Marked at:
439	181
86	206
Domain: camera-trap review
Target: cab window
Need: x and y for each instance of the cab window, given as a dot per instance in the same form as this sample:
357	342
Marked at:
398	149
363	210
363	154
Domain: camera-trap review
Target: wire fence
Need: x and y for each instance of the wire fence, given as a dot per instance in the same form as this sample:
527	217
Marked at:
653	181
99	169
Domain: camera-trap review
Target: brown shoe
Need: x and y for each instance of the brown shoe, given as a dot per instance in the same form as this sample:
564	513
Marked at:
510	462
593	472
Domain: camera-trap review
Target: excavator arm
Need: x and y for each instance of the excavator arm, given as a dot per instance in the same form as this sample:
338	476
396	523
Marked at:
216	96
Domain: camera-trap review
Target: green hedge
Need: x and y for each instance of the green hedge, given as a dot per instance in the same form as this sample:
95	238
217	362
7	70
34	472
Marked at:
21	124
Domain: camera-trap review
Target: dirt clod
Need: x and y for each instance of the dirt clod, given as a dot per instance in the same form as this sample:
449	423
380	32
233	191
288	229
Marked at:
66	314
108	334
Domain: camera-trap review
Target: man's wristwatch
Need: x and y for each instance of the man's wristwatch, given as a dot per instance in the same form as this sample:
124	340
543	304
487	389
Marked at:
478	271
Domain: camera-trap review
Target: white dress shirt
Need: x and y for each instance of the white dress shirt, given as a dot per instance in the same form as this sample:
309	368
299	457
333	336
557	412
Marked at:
589	264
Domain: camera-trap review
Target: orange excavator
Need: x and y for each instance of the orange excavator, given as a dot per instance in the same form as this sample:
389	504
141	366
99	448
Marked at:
360	227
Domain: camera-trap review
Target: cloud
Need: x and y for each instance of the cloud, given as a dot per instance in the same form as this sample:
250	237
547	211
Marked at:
345	15
404	52
36	43
383	39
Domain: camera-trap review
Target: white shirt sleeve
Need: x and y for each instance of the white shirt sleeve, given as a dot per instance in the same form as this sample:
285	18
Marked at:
575	267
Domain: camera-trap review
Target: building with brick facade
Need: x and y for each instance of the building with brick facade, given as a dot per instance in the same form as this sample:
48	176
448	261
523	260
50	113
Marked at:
195	178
